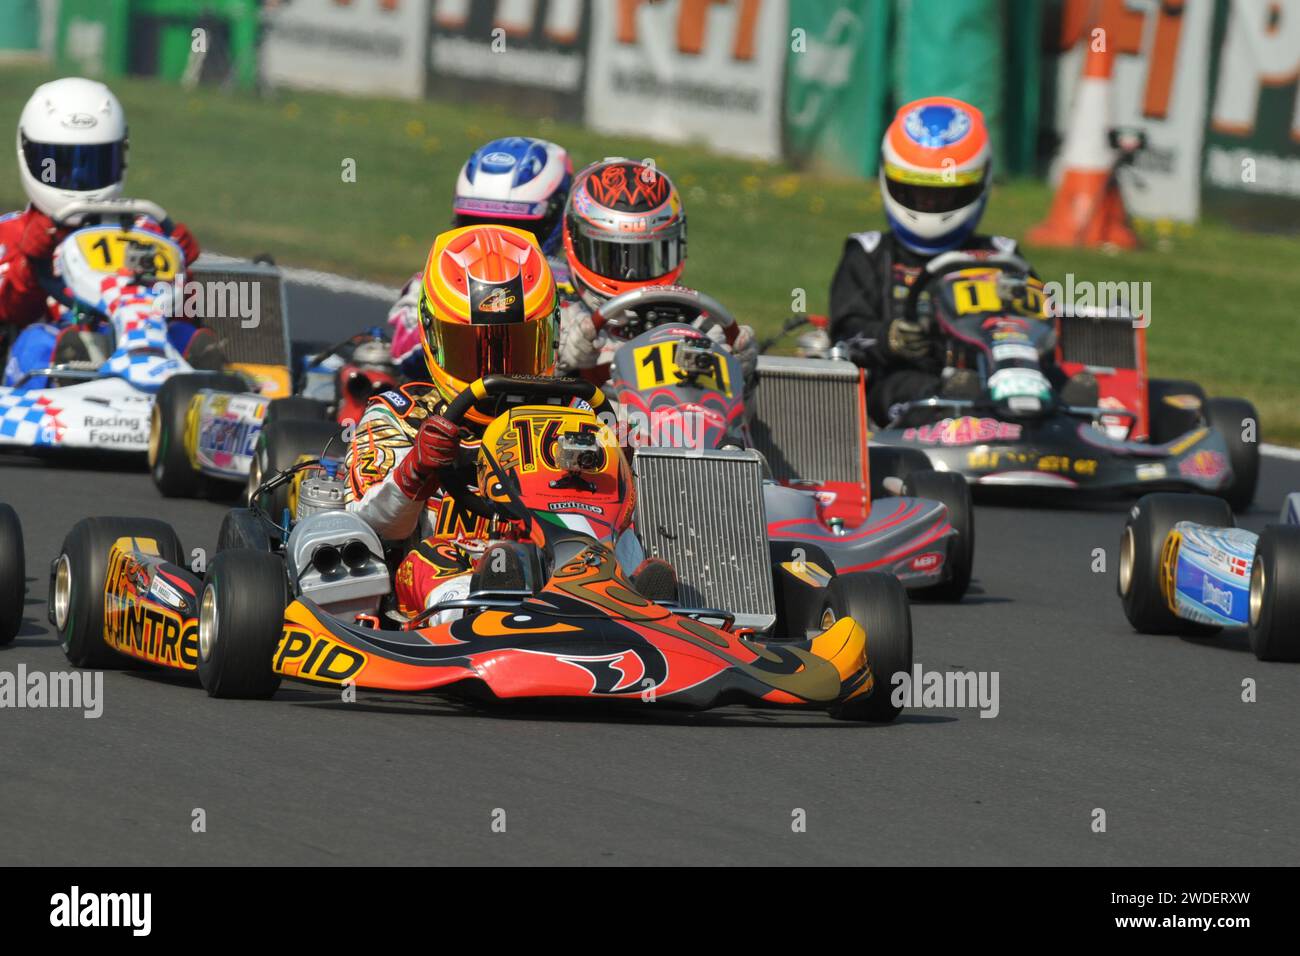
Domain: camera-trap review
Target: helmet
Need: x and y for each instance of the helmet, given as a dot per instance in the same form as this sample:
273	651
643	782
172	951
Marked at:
624	228
934	173
488	305
71	144
517	181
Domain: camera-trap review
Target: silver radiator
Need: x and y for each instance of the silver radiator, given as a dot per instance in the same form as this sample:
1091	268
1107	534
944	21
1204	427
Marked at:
809	419
1099	341
222	289
703	513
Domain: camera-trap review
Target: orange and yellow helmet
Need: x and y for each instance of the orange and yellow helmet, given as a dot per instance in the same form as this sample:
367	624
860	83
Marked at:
488	306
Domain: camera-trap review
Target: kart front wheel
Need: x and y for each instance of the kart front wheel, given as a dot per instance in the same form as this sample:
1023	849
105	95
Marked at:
78	577
170	465
1238	422
953	492
1275	595
878	603
241	614
893	465
1140	555
13	574
297	408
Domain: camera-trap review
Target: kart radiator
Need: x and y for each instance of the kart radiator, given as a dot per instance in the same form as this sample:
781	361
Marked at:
224	293
791	393
703	513
1098	341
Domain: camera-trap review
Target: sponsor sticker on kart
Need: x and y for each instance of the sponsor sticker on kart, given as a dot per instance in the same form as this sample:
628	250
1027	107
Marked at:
1204	464
966	430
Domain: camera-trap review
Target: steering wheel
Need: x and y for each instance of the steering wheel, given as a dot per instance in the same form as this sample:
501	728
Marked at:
950	262
690	303
529	387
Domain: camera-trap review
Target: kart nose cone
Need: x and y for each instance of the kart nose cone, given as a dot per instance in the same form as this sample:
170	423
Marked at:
1127	549
207	622
62	597
1257	585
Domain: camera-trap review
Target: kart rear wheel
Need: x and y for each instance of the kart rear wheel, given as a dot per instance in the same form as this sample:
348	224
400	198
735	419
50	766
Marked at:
13	574
1141	543
951	490
242	528
878	603
281	445
1275	595
241	616
1231	417
1171	408
890	462
169	459
295	407
77	580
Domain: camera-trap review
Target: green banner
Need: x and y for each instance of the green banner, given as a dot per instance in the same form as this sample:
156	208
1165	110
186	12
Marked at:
837	84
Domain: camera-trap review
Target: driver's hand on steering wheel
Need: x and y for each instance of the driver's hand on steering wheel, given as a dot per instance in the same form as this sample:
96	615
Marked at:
40	237
907	340
577	348
185	239
745	348
436	446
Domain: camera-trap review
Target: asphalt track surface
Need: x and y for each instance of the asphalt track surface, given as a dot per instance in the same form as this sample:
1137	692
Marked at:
1152	730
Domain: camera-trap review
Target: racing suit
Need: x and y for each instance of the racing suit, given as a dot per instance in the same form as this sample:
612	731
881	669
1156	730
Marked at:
436	567
868	293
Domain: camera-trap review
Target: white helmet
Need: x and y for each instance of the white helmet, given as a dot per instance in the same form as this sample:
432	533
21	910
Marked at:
516	181
71	144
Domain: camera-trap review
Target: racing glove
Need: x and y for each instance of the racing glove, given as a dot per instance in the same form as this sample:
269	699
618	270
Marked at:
907	340
40	237
185	239
578	347
745	348
436	446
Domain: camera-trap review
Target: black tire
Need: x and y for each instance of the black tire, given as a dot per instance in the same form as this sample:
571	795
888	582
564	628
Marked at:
280	445
241	528
78	578
169	460
1168	421
1149	522
296	408
13	574
891	462
1228	416
878	602
1275	595
241	615
952	490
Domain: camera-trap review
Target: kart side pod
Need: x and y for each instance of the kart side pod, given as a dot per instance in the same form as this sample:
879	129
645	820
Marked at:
337	561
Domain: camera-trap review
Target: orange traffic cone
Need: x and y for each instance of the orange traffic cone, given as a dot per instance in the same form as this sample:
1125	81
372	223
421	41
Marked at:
1088	209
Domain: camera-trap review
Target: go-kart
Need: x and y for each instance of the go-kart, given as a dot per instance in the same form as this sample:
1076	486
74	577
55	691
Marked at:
1184	568
117	285
1017	428
551	612
13	574
678	387
208	436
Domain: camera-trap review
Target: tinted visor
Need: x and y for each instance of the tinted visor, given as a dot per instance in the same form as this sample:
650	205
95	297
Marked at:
76	167
935	198
629	261
467	352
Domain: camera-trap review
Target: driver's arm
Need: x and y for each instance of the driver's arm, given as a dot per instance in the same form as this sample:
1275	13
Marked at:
855	313
24	237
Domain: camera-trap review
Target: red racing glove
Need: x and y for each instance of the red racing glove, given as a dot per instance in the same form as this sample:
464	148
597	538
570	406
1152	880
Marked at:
185	239
40	237
436	446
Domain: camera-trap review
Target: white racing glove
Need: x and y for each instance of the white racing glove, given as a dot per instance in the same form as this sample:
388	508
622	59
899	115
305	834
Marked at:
578	348
745	348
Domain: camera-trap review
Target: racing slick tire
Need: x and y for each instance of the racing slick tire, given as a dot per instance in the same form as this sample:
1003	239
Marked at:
1169	420
1149	522
77	582
296	407
241	615
242	528
1275	595
1228	416
878	603
169	459
887	462
280	445
13	574
952	490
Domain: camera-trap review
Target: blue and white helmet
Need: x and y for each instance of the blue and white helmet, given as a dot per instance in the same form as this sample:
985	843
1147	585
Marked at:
517	181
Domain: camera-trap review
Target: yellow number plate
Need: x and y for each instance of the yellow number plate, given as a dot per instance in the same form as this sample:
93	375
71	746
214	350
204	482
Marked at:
105	250
655	368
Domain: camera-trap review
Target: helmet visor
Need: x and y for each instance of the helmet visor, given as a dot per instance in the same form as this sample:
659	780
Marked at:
935	196
629	260
78	167
467	352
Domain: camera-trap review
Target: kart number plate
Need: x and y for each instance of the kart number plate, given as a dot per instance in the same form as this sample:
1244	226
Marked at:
655	368
105	250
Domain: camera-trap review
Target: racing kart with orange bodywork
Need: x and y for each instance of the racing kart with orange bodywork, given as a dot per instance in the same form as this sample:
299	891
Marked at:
562	602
